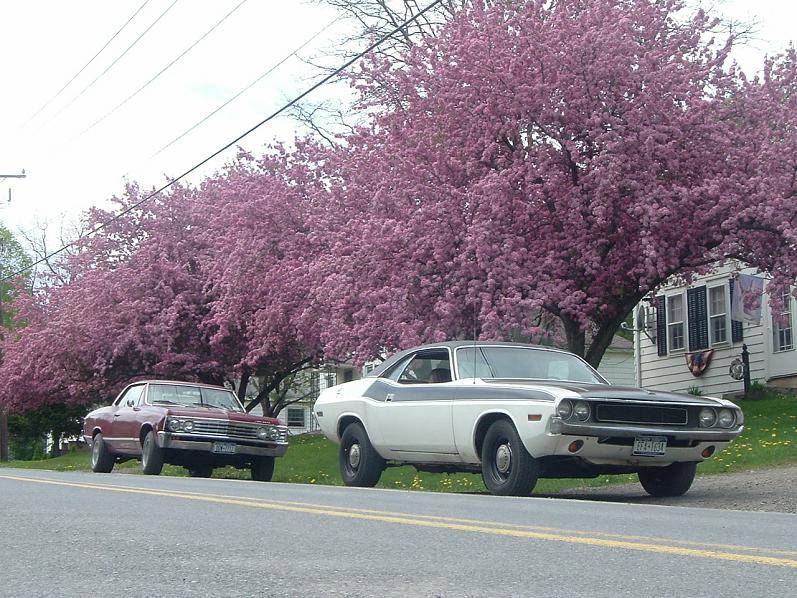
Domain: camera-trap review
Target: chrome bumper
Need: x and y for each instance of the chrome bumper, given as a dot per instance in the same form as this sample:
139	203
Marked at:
589	429
266	449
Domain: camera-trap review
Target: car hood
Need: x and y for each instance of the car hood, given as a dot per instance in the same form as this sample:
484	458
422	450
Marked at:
609	391
235	416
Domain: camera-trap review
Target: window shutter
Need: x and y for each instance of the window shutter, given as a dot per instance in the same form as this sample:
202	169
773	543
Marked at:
661	325
737	335
697	313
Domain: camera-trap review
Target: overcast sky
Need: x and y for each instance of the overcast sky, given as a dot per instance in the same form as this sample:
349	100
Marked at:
45	42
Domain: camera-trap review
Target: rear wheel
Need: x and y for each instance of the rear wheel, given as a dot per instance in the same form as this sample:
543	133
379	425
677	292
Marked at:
200	471
673	480
151	455
507	467
101	458
263	469
360	464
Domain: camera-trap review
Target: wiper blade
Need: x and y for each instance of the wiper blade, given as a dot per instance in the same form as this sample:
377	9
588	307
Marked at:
164	402
208	405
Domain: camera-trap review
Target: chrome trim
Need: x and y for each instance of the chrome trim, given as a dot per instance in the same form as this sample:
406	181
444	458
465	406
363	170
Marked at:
656	402
167	440
223	428
577	429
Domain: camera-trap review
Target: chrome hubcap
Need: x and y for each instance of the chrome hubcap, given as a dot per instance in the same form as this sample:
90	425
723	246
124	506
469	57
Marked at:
354	456
503	458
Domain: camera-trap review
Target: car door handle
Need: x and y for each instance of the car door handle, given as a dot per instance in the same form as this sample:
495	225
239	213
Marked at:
116	414
389	396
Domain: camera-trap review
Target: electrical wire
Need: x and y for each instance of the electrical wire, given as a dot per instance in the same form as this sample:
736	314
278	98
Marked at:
110	66
227	146
83	68
270	70
159	73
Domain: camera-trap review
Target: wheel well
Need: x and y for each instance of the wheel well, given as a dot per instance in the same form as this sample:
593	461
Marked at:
483	425
145	429
95	432
345	422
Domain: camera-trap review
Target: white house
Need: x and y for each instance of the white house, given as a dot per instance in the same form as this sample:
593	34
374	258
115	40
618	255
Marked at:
696	319
617	364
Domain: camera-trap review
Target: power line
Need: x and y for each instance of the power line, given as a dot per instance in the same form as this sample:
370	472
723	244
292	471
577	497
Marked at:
227	146
83	68
270	70
117	59
163	70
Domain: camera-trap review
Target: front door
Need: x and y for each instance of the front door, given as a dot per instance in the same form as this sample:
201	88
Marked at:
415	419
126	422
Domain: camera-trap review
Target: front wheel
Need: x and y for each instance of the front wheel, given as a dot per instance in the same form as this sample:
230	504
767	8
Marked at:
263	469
673	480
360	464
151	455
101	458
507	467
200	471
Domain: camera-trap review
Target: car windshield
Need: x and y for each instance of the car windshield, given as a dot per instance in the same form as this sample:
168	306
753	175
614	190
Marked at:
193	396
524	363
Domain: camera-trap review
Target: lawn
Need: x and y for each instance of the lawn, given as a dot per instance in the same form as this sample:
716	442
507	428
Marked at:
770	439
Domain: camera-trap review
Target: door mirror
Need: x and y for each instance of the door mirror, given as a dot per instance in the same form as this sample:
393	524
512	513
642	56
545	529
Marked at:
130	402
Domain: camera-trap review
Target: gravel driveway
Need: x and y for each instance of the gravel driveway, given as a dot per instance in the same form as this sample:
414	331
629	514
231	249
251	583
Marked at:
755	490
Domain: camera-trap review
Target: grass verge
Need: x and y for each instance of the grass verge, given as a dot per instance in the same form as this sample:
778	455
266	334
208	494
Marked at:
769	440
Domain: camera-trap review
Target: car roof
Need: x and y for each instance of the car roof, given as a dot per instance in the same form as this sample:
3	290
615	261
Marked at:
181	383
390	361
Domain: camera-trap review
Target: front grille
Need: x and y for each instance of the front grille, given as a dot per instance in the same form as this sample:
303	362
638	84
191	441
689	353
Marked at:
640	414
236	430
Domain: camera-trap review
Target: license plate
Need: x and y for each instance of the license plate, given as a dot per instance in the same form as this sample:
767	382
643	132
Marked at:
226	448
650	445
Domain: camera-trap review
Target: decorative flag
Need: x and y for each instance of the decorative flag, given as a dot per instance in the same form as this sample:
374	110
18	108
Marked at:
747	294
698	362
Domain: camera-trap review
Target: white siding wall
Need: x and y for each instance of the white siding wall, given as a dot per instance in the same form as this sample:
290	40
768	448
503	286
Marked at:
671	373
618	367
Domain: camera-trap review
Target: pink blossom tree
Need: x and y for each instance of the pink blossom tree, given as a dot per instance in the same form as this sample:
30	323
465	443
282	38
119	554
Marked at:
556	159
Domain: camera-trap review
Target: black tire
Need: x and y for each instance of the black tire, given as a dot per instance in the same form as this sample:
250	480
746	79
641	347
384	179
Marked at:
673	480
360	464
507	467
200	471
151	455
102	458
263	469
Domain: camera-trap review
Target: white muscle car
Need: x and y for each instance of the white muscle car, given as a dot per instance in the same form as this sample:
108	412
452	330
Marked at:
517	413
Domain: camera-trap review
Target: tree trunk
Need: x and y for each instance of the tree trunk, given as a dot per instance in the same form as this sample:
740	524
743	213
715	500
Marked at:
3	435
243	384
576	338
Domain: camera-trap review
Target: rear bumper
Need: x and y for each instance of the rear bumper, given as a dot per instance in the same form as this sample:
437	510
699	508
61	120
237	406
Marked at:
267	449
627	431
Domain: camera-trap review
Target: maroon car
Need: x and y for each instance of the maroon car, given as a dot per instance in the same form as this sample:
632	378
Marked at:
197	426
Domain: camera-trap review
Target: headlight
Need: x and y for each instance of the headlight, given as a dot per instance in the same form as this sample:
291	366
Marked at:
564	409
274	433
582	411
262	433
174	425
188	425
708	417
725	418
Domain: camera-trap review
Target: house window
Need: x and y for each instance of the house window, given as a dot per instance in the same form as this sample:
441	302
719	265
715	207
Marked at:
717	315
675	322
295	417
783	338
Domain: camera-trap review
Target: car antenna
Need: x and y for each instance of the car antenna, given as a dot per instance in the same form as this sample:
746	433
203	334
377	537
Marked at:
474	345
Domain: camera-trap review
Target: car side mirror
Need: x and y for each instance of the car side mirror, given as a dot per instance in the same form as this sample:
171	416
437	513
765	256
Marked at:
130	402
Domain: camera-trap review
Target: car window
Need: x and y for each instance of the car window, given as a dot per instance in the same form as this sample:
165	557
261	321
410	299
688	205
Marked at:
394	372
427	367
133	393
523	363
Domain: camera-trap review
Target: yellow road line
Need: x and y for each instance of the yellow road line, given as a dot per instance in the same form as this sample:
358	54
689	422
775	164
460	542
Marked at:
425	521
479	522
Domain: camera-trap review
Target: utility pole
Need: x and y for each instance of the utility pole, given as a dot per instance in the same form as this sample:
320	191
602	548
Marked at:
3	411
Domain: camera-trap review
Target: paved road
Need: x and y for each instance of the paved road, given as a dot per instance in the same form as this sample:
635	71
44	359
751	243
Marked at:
119	535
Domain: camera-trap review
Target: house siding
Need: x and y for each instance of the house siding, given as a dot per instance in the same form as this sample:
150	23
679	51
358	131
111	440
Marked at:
618	367
670	372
